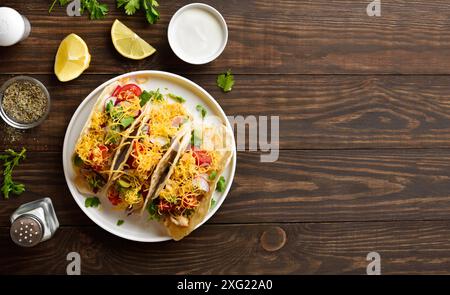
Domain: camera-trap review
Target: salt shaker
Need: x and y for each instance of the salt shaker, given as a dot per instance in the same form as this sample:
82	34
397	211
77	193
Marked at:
33	223
14	27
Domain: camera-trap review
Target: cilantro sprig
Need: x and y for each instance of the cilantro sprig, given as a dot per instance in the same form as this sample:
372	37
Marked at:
225	81
149	7
96	9
177	98
99	10
10	160
91	202
202	110
152	210
221	184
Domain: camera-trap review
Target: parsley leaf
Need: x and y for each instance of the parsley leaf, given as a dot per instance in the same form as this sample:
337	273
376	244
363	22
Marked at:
176	98
221	185
144	97
96	10
202	110
109	106
120	222
213	203
91	202
151	14
10	160
149	6
225	81
130	5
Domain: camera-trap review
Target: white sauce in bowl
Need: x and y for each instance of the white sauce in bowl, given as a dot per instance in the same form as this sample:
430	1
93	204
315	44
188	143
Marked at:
197	33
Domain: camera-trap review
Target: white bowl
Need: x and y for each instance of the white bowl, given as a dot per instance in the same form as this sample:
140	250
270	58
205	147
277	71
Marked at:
177	47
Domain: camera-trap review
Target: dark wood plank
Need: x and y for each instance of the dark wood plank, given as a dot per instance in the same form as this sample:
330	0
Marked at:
290	37
303	186
404	247
319	112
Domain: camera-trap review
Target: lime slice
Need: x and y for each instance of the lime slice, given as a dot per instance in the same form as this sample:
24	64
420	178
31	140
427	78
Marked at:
128	43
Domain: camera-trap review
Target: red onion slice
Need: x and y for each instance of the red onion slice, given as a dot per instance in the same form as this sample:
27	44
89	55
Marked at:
201	183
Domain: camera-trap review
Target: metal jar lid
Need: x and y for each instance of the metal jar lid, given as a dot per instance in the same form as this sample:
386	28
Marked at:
27	231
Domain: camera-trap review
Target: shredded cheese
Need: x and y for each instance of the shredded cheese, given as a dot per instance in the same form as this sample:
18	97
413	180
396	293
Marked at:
146	155
102	128
162	116
89	141
181	190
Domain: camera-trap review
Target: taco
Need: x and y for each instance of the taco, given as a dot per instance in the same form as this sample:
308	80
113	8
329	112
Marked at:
182	199
151	149
115	115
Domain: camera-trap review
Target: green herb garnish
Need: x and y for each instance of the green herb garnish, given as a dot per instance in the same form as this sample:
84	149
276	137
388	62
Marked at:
156	95
149	6
213	203
120	222
144	97
109	106
113	135
10	160
213	175
221	184
176	98
91	202
196	140
225	81
152	210
127	121
95	181
77	161
96	10
202	110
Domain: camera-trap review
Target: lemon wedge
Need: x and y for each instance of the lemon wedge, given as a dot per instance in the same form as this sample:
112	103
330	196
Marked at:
128	43
72	58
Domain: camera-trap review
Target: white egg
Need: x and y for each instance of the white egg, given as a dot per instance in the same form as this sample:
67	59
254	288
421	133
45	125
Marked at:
13	27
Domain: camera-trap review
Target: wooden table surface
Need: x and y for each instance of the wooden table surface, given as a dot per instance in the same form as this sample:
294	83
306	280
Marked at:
364	107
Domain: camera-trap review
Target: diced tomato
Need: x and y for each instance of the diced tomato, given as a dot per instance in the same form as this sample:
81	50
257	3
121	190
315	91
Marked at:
202	158
131	87
164	206
116	91
104	150
105	155
113	197
126	91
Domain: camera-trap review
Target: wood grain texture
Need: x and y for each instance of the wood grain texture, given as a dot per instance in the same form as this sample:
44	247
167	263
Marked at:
364	140
309	37
302	186
315	112
327	248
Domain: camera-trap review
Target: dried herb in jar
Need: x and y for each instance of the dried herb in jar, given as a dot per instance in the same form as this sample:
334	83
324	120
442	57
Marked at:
24	102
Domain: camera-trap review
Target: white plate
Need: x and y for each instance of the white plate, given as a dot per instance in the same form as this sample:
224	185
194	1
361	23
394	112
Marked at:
139	228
